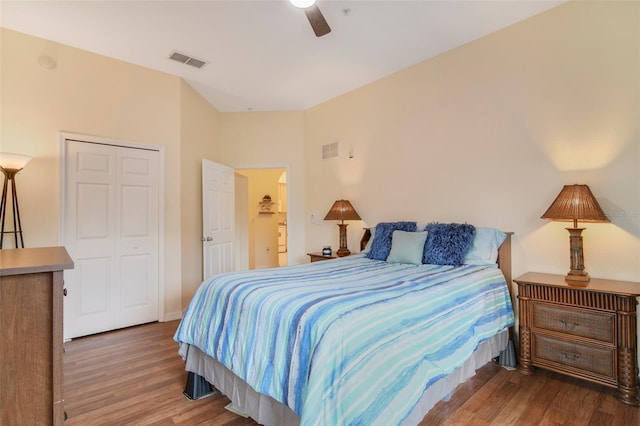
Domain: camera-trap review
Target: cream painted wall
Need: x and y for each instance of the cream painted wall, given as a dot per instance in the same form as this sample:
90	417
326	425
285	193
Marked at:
199	135
272	139
94	95
490	132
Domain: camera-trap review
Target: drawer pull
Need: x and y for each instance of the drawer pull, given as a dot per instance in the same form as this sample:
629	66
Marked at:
570	357
572	326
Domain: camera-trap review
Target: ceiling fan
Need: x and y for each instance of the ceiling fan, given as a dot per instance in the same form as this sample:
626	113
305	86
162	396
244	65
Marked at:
315	17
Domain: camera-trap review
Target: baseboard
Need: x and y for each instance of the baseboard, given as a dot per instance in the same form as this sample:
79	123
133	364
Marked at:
172	316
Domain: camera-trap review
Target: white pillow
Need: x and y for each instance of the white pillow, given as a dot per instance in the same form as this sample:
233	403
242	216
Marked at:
484	247
407	247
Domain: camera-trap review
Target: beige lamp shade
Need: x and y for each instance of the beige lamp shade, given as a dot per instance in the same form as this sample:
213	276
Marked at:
342	210
575	203
11	161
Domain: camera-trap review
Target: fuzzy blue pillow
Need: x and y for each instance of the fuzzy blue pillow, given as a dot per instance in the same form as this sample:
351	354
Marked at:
381	245
447	243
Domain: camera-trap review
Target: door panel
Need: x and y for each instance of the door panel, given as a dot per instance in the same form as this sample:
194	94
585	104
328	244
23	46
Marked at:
93	211
135	269
95	292
135	208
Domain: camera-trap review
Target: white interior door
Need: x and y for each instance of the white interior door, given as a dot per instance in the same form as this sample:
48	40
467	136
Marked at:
217	218
111	232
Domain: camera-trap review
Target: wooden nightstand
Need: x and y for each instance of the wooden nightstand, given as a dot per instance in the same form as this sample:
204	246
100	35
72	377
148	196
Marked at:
318	256
584	330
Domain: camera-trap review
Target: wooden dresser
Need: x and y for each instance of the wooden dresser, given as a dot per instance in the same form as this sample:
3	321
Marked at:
585	330
31	379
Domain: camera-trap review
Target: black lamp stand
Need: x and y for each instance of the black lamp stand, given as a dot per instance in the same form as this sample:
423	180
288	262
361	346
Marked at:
10	175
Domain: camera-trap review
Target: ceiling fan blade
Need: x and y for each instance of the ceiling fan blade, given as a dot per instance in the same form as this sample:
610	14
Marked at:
317	21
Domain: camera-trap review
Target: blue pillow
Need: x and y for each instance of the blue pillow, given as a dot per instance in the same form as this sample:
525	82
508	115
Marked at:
447	243
484	248
381	245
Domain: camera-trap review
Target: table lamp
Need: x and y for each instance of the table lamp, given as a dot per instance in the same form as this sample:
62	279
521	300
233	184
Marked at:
576	203
342	210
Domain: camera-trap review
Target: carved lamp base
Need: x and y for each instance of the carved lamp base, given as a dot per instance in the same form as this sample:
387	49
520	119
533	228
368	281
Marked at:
343	250
577	272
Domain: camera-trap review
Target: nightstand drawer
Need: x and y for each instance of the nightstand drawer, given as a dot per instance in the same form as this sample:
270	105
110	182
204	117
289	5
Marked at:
590	359
577	322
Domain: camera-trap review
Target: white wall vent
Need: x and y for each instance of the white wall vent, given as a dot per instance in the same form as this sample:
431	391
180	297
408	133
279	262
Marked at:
330	150
187	60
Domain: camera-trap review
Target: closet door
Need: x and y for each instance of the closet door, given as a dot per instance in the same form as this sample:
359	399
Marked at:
136	237
111	232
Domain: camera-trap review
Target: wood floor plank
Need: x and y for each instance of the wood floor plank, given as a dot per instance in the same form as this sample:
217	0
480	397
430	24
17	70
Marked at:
463	393
135	377
543	399
524	397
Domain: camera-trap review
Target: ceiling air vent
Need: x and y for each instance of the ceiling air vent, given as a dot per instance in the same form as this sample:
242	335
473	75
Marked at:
329	150
187	60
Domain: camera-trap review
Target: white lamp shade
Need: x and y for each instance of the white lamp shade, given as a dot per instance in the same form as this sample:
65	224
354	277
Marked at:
9	160
302	4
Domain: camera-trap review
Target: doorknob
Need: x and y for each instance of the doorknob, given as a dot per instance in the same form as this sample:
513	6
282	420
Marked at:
206	239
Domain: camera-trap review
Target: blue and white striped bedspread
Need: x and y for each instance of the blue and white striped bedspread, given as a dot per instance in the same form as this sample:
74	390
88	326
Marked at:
348	341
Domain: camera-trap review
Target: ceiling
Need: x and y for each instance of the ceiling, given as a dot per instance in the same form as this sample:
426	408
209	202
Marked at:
263	55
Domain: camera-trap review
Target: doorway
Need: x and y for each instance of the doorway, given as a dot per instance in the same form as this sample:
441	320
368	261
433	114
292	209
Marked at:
267	213
282	221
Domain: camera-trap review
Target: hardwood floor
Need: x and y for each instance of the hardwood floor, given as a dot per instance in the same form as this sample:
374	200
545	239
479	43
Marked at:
135	377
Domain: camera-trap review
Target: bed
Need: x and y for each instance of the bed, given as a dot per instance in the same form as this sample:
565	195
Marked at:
353	340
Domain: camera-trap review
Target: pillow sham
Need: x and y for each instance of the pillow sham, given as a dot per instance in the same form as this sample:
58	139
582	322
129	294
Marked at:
381	245
484	247
447	243
407	247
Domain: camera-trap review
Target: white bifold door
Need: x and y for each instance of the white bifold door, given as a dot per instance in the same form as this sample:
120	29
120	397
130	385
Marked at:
111	220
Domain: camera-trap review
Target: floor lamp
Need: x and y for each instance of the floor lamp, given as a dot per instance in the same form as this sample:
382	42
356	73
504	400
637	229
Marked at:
10	165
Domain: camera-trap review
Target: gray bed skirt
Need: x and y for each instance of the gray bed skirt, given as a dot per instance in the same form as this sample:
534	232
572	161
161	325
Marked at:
267	411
